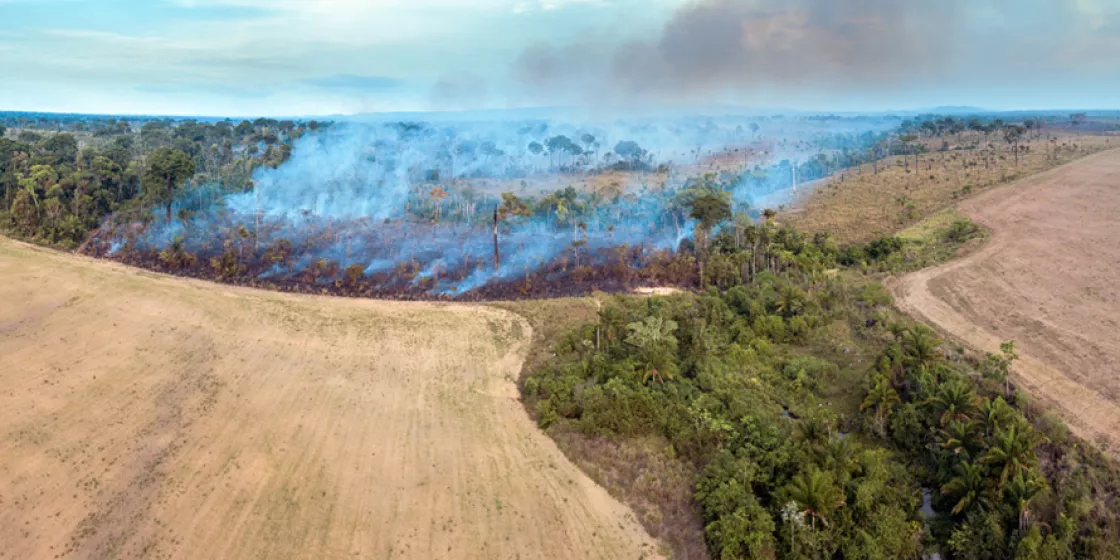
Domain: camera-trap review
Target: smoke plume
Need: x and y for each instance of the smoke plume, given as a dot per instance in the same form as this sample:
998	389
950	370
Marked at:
744	50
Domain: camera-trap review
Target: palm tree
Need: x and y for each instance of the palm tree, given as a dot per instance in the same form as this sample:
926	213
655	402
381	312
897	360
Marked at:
816	495
962	438
954	401
994	415
1012	452
612	321
654	338
920	347
883	398
840	455
1020	491
968	487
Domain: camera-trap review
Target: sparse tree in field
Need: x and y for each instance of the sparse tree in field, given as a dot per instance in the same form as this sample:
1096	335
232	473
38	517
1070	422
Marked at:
754	130
629	151
168	169
1076	120
1013	135
908	143
536	148
998	367
588	144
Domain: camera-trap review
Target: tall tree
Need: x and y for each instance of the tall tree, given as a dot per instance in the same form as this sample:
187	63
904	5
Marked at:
1013	135
168	169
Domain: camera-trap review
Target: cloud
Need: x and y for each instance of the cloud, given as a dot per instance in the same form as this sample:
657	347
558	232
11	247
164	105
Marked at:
355	82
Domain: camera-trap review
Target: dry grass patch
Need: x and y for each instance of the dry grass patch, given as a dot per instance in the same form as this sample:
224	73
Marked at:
862	205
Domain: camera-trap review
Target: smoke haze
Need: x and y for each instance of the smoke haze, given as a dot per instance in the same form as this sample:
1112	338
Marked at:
822	50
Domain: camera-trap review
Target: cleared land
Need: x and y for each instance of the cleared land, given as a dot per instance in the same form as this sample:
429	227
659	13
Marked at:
1047	278
143	415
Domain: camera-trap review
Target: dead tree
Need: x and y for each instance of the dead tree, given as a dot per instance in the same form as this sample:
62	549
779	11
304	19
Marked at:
497	258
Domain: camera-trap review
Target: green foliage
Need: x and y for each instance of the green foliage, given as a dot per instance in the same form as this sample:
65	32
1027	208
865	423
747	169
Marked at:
740	385
73	180
961	231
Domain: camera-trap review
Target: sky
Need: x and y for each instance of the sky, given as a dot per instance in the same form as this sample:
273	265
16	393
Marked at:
330	57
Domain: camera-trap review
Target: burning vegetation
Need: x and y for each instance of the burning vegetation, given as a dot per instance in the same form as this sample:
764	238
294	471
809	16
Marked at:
416	211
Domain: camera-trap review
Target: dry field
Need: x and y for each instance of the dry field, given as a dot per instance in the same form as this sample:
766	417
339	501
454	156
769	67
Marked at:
1047	279
863	205
149	416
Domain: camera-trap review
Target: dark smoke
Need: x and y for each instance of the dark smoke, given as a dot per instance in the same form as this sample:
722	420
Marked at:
735	50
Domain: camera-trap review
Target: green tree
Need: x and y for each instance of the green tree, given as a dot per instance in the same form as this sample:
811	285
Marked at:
512	205
968	488
883	399
709	209
920	347
962	439
1012	451
816	495
654	338
954	401
1020	492
168	169
62	148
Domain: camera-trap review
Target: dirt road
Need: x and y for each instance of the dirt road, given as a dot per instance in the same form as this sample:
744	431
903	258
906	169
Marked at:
149	416
1048	279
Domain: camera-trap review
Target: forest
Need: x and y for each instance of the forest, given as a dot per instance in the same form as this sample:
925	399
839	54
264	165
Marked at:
801	417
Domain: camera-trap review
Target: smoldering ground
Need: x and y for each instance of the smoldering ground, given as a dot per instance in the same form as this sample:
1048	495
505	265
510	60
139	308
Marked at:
409	208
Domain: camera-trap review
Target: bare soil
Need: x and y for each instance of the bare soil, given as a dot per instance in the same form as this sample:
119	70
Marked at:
1048	280
148	416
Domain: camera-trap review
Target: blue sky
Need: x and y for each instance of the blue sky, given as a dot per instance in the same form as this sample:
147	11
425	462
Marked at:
305	57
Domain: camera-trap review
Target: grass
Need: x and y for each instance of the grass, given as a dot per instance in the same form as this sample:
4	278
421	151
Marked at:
550	320
861	205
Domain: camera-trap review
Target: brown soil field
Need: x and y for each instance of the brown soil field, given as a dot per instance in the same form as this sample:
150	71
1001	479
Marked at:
1047	278
860	205
149	416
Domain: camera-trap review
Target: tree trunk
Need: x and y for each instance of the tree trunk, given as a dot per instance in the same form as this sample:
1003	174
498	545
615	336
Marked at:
170	190
497	258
